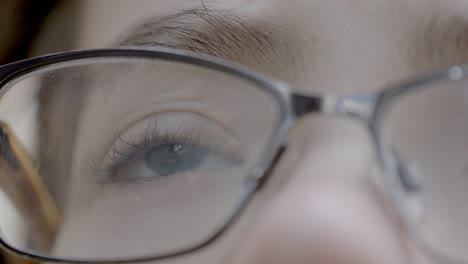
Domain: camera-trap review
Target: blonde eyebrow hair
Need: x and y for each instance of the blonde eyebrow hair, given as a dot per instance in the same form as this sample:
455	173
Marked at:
221	33
443	41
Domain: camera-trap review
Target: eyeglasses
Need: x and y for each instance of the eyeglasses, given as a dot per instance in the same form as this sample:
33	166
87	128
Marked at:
137	154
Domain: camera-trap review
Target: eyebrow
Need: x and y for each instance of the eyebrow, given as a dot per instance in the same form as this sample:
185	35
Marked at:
236	37
443	41
225	34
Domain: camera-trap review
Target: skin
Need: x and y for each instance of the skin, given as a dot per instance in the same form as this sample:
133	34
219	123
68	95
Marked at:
323	203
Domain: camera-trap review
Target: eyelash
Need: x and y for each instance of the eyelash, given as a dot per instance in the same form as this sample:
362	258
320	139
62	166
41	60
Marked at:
117	159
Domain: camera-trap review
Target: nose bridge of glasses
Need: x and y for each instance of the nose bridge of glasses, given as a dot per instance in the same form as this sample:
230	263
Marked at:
360	106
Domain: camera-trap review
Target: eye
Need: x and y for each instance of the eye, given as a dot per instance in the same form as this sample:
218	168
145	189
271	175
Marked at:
167	144
173	158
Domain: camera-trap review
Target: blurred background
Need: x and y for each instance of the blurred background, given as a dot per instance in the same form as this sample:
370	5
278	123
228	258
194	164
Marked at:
22	24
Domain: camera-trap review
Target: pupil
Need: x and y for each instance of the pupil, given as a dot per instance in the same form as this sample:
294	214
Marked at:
172	158
175	147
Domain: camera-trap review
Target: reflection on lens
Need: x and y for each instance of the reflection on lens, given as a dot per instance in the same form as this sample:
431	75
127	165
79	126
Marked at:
428	128
127	158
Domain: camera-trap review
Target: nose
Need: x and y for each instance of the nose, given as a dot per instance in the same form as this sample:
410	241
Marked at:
329	210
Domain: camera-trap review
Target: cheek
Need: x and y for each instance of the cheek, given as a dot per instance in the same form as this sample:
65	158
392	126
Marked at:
145	219
428	130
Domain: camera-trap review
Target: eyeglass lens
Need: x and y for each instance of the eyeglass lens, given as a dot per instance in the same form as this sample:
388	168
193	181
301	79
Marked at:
126	158
428	129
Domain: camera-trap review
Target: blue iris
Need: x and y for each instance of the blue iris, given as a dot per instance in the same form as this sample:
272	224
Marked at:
172	158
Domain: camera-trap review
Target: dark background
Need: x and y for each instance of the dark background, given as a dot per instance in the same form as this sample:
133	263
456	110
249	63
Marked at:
21	21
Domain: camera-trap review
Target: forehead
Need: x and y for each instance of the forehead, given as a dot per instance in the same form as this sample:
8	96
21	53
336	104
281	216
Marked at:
104	20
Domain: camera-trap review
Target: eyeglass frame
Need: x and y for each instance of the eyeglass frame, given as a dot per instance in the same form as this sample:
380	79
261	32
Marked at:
366	108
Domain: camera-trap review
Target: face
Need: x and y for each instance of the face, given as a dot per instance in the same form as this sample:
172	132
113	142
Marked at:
323	202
